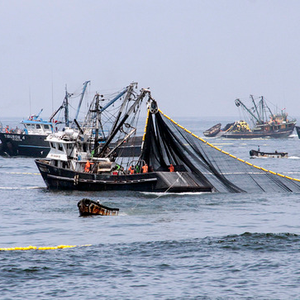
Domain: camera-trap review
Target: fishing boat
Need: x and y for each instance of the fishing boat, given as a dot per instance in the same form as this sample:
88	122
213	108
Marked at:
263	122
87	159
27	142
275	154
89	207
31	140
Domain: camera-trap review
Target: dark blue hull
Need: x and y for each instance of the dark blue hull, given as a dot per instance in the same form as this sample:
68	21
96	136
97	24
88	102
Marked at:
13	144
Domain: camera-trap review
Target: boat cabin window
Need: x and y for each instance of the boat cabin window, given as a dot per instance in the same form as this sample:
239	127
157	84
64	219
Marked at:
46	126
38	126
52	145
65	164
60	147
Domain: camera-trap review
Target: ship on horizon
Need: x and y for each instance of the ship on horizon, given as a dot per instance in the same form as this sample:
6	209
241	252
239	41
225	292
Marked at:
265	124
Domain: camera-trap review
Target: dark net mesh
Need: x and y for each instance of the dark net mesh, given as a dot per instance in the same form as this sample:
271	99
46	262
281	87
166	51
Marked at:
166	142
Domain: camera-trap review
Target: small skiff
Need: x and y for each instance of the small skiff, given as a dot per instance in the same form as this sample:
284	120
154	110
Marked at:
255	153
89	207
213	131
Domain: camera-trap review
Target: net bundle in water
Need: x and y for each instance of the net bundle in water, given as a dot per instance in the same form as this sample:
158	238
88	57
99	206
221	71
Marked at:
166	142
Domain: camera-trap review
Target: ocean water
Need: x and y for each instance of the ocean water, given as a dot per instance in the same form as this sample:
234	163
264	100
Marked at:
161	246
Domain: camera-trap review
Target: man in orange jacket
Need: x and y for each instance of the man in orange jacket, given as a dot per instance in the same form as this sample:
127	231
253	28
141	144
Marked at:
87	167
131	170
145	168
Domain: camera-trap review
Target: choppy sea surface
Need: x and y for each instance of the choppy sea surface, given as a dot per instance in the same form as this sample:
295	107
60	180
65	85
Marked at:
161	246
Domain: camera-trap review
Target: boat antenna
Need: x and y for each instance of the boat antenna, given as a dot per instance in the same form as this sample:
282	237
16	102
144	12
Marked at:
52	89
29	101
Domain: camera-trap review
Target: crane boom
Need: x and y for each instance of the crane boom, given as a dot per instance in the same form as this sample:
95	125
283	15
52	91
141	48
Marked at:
238	103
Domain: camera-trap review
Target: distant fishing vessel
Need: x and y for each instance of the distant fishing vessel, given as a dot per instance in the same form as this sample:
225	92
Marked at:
275	154
266	124
27	142
31	140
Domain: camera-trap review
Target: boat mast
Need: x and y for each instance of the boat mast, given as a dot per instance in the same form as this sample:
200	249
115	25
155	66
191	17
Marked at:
81	98
255	107
264	104
66	107
129	90
125	117
97	124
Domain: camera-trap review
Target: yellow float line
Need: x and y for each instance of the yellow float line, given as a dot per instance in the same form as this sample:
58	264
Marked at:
42	248
226	153
147	119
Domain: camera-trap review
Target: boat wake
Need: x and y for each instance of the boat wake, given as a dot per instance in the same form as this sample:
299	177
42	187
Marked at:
162	194
20	188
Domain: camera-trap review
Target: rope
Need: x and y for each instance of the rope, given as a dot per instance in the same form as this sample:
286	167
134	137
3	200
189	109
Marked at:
158	195
166	189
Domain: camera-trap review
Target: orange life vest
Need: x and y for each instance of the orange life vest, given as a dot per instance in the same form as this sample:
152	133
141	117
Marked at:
87	167
131	170
145	169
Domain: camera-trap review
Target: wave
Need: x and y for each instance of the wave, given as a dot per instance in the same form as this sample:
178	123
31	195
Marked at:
247	241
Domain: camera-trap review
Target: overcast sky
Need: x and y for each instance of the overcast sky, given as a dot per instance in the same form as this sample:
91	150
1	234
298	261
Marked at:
197	56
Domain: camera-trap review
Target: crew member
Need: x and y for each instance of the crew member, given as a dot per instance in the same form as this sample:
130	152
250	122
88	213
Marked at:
145	168
131	170
87	167
137	169
171	168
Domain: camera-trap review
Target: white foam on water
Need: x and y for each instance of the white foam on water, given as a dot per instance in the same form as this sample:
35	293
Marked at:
19	188
160	194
